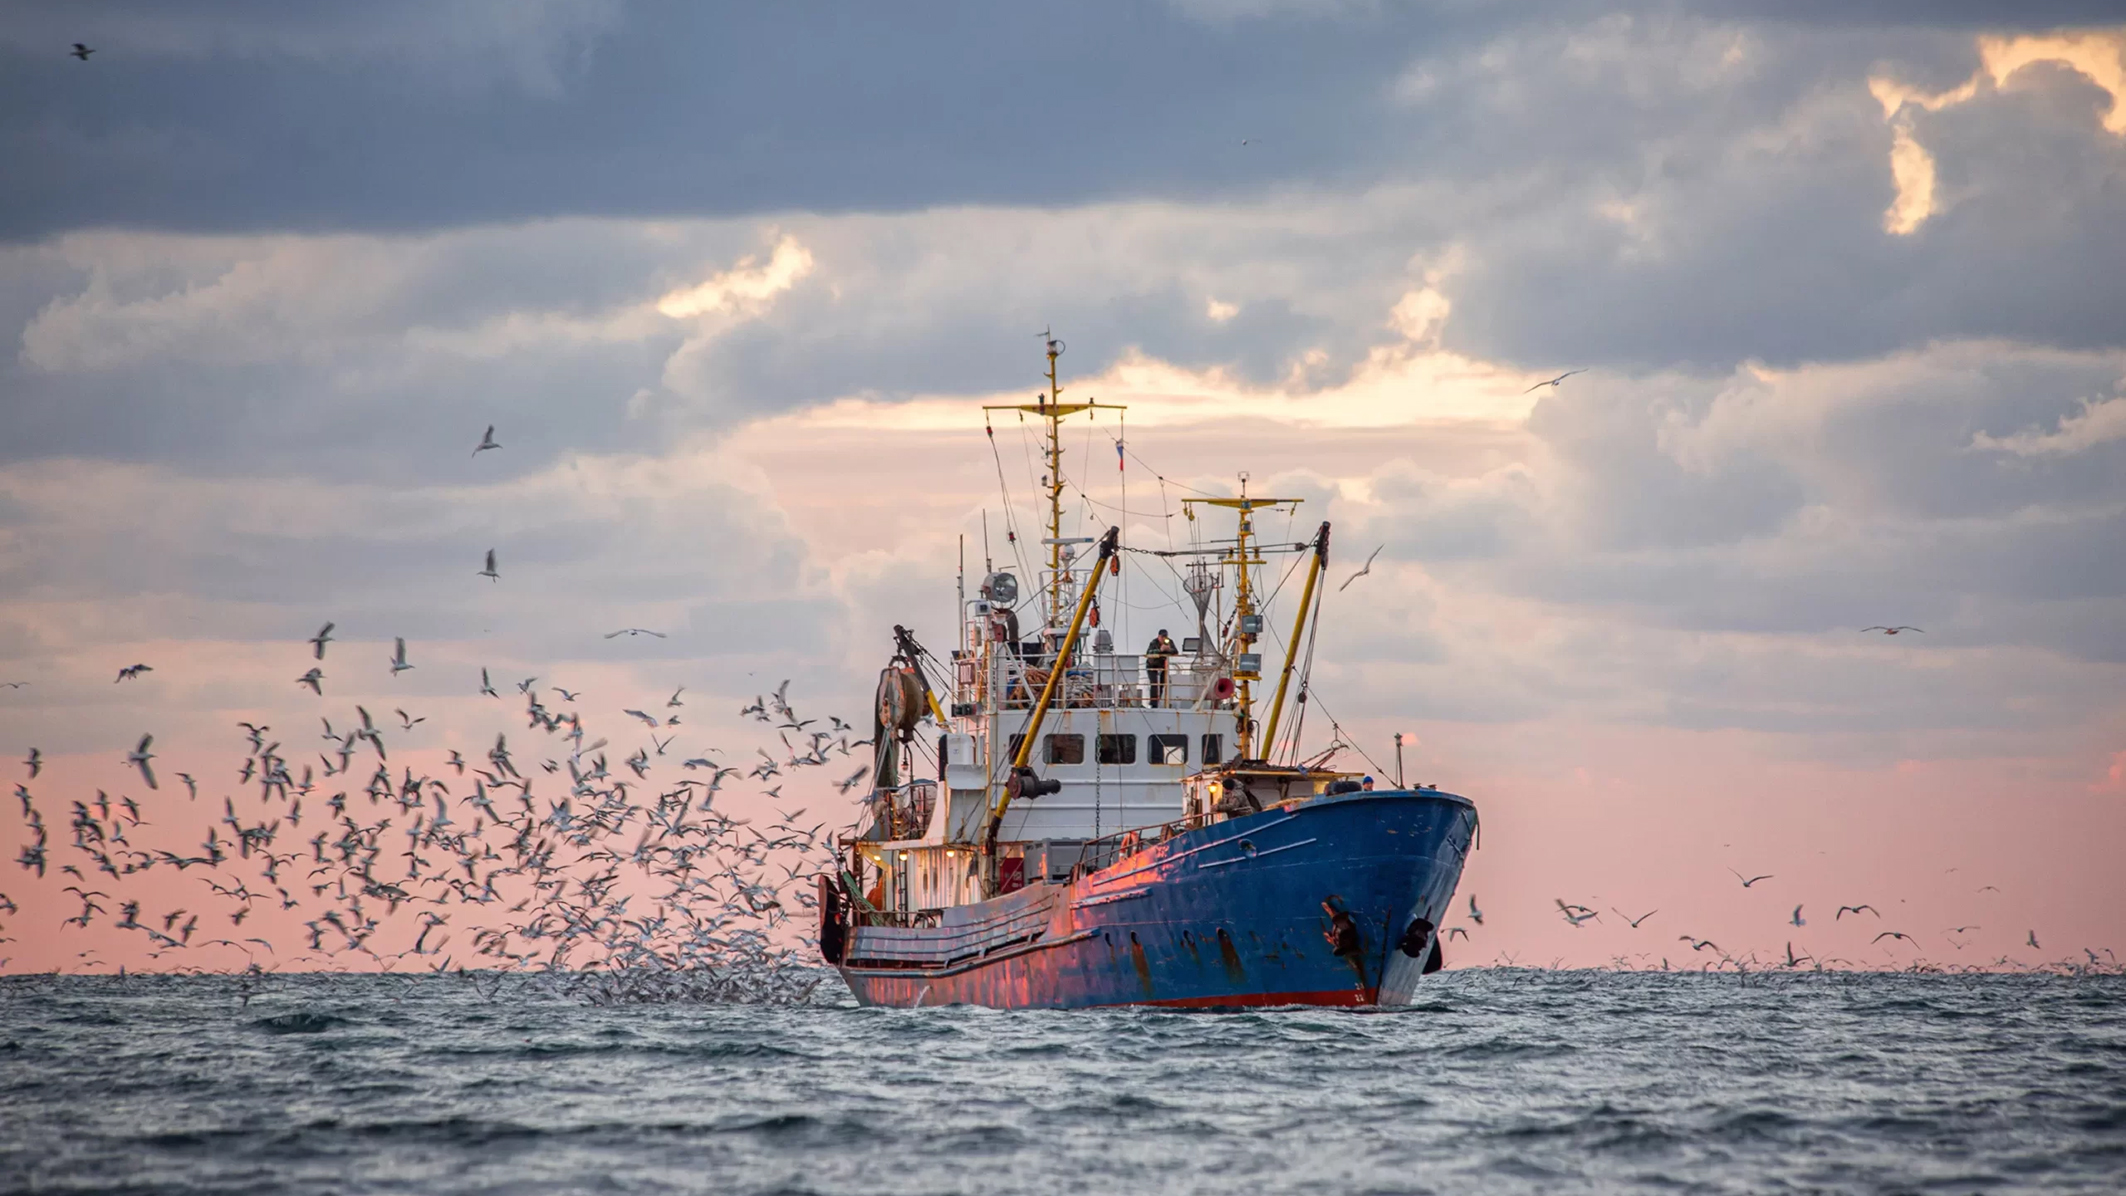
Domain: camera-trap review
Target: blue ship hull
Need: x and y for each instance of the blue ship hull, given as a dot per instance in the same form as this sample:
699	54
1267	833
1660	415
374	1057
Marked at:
1328	902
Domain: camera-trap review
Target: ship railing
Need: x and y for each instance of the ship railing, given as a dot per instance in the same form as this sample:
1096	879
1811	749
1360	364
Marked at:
1099	680
882	939
905	919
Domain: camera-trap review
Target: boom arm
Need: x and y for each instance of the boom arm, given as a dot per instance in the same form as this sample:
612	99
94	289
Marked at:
1048	693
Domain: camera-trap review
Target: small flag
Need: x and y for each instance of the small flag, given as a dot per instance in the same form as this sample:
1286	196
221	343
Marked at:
1118	457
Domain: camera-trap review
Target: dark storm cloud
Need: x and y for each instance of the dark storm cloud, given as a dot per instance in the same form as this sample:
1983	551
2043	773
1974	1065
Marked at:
683	109
1713	212
1999	15
239	117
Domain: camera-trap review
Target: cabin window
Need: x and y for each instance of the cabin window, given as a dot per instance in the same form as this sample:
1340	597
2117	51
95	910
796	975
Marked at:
1213	749
1066	749
1118	749
1168	749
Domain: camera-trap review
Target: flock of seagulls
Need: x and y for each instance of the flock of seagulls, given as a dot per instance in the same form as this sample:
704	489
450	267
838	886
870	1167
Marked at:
1577	916
556	859
651	884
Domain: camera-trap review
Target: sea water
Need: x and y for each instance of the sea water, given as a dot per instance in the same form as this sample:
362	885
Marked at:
1499	1081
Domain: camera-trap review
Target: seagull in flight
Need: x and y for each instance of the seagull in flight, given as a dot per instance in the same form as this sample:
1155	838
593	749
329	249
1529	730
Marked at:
1892	630
1747	881
566	696
487	687
674	699
487	441
1361	573
1554	381
1576	914
408	720
1475	915
1894	934
634	631
139	759
131	671
489	572
1697	944
1634	921
80	51
323	637
12	684
2033	942
1797	919
1843	910
311	679
398	657
644	717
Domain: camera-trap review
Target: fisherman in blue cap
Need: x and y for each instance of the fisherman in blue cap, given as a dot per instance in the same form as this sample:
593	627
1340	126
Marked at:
1367	786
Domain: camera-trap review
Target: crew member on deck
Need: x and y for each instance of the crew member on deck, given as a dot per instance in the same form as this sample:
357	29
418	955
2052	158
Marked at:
1155	665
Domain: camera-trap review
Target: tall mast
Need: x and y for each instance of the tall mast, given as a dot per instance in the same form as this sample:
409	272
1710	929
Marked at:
1054	404
1247	622
1052	409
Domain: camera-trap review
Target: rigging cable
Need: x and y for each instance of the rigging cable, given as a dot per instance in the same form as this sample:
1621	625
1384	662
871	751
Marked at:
1348	739
1011	532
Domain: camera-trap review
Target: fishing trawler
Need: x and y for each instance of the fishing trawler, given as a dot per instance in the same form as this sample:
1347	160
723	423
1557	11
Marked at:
1055	824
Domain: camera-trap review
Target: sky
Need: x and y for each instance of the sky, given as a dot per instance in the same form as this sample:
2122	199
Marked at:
732	284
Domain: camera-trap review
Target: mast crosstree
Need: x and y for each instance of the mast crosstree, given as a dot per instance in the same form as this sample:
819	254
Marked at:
1053	411
1247	621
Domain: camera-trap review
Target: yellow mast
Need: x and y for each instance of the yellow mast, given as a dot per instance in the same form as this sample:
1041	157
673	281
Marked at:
1245	619
1054	410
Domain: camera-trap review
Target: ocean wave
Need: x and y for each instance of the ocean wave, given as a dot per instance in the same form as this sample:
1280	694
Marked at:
1509	1083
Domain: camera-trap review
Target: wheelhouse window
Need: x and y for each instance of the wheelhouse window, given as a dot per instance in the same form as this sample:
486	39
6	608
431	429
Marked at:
1213	749
1118	749
1167	749
1066	749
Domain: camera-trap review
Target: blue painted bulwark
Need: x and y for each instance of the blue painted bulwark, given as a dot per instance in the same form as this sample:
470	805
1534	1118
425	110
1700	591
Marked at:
1330	901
